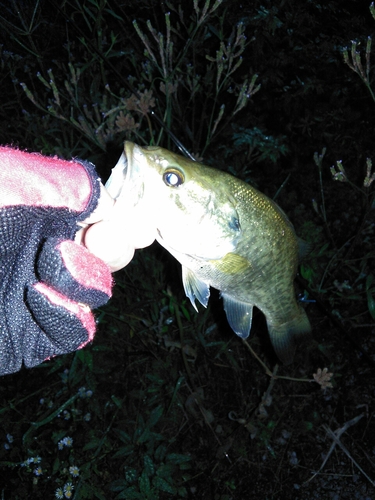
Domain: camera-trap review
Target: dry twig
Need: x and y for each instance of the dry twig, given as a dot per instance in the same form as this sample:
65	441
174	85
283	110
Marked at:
335	435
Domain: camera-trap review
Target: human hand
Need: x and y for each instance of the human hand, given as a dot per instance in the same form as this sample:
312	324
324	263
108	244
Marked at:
48	283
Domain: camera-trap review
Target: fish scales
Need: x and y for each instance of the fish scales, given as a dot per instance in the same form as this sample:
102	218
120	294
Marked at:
225	233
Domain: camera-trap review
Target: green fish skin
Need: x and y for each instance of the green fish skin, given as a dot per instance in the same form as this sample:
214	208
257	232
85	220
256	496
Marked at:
225	233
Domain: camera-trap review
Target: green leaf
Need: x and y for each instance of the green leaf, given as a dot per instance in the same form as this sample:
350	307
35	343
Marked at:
131	474
165	470
178	458
93	443
149	466
163	485
118	485
182	492
117	401
160	452
323	249
155	416
124	451
185	312
144	483
371	303
145	436
308	425
155	378
85	356
123	436
369	280
131	494
56	466
99	494
85	490
307	272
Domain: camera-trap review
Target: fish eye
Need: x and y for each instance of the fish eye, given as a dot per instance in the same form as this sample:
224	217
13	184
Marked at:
173	178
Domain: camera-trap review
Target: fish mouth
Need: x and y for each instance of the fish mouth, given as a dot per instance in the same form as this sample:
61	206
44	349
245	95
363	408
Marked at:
121	173
118	177
128	153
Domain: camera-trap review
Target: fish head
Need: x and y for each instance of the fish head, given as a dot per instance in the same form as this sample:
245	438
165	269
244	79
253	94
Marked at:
192	209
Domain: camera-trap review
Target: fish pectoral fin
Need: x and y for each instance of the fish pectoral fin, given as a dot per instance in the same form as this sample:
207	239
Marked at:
239	315
195	288
231	263
285	336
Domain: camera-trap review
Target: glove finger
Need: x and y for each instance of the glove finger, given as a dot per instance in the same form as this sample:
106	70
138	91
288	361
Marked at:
67	325
75	272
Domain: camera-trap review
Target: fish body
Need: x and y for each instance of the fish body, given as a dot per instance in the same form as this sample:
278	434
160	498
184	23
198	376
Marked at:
226	235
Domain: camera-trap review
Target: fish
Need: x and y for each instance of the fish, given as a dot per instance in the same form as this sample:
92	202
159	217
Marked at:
226	235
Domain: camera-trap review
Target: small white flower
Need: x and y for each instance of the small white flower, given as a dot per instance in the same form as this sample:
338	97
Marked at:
74	471
82	392
68	490
68	441
38	471
59	493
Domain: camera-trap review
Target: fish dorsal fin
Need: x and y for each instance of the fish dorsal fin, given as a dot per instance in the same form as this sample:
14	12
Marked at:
195	288
239	315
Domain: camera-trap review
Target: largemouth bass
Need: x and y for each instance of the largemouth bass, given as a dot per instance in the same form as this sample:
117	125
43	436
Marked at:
225	233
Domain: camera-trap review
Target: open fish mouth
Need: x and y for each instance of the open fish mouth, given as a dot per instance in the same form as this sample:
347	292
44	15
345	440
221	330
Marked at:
118	177
124	171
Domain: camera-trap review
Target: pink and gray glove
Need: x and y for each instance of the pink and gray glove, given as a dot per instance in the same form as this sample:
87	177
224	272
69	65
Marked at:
48	283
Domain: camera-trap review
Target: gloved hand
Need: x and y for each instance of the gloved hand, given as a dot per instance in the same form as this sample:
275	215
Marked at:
48	283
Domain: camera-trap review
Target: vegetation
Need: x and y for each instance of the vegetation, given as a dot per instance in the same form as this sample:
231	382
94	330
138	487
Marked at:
167	403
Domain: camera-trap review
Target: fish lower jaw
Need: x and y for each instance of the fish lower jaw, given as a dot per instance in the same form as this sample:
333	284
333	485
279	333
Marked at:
177	254
182	256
